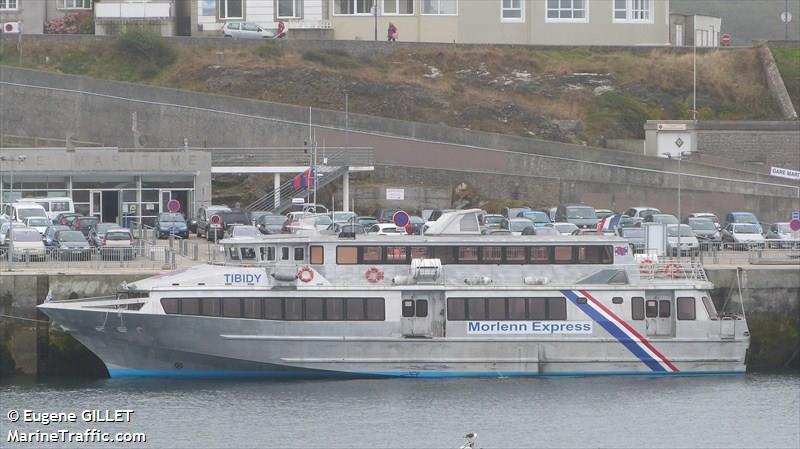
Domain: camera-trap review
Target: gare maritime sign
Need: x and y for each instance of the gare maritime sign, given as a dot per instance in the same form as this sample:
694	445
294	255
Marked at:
113	160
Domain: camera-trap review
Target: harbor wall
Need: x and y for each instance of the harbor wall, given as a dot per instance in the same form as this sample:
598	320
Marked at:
771	298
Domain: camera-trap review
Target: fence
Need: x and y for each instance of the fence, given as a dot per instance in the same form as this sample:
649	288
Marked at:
146	258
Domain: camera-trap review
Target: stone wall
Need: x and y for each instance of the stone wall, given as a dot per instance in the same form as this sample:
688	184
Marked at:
775	82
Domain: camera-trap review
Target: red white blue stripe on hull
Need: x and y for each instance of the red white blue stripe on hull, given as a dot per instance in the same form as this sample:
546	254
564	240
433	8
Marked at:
622	331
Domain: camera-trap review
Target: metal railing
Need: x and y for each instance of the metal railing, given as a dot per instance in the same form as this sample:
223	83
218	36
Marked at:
672	269
288	190
146	257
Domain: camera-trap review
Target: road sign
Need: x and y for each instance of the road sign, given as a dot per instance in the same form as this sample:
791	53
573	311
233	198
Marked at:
726	39
796	215
298	200
216	219
173	205
786	17
795	225
400	218
679	142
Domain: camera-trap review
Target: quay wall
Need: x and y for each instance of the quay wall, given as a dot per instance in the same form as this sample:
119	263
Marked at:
53	105
771	298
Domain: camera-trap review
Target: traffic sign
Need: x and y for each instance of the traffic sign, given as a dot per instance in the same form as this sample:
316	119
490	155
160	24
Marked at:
400	218
173	205
726	39
216	219
786	17
796	215
298	200
795	225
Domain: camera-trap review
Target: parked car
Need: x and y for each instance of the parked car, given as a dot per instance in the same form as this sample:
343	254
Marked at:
540	230
245	30
742	217
742	236
513	212
84	224
69	219
641	211
322	221
117	245
50	233
630	222
603	213
20	210
538	217
706	215
348	229
71	245
566	228
204	226
62	218
635	237
386	229
415	225
38	223
242	231
516	225
385	215
581	215
492	221
270	223
171	223
492	231
256	214
706	232
25	244
780	235
666	219
5	230
343	217
98	233
366	220
688	242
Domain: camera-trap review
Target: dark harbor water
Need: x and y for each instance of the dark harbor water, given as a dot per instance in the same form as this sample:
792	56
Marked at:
753	411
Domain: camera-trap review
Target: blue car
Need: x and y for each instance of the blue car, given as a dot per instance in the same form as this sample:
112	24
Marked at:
742	217
171	223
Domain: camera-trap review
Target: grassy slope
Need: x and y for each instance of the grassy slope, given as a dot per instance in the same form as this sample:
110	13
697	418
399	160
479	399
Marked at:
788	60
572	94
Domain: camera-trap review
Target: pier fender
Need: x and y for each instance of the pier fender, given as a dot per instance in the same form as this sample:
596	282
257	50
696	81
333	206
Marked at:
284	275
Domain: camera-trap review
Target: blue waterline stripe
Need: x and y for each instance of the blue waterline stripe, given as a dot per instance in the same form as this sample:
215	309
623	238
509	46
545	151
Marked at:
614	329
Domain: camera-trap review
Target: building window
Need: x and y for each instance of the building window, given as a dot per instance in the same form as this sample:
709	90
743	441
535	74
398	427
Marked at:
231	9
288	9
511	11
398	7
440	7
566	11
633	11
71	4
353	7
8	4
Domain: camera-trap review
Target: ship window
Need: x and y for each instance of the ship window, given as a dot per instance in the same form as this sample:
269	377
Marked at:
712	311
248	253
497	308
273	309
293	308
376	309
540	254
210	306
515	254
445	254
492	254
516	309
686	309
317	254
651	308
170	305
537	309
371	254
476	309
557	309
616	300
422	308
605	254
190	306
346	255
355	309
267	253
233	252
408	308
456	309
421	252
232	308
664	308
396	254
284	253
637	308
252	308
334	309
467	254
300	254
562	254
313	310
581	300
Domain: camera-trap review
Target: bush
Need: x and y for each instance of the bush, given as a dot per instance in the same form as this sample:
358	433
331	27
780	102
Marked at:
146	53
75	23
332	58
270	50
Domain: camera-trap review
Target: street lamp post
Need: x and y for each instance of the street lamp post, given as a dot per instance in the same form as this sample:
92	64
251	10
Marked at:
3	158
680	157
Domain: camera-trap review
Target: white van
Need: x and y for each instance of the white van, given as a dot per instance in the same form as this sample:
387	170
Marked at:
21	210
53	206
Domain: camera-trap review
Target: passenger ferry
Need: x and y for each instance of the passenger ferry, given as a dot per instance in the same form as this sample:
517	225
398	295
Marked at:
451	303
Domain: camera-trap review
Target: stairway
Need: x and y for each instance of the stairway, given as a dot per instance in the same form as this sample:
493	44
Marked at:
326	174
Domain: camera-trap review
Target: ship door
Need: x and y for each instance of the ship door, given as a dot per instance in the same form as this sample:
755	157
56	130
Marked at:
659	316
416	316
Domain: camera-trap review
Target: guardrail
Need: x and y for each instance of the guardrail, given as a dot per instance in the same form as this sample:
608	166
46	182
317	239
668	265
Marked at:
147	257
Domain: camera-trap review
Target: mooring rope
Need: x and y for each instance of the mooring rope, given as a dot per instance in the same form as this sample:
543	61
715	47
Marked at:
21	318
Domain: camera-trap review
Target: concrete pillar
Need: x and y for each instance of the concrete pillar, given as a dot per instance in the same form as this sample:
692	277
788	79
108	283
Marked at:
346	191
277	187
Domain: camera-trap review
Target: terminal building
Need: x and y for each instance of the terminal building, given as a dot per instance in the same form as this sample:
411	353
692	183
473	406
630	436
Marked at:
121	186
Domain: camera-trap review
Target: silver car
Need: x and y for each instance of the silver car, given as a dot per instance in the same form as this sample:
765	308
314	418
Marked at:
245	30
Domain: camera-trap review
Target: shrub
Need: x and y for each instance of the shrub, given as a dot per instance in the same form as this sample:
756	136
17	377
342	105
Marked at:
146	53
75	23
270	50
332	58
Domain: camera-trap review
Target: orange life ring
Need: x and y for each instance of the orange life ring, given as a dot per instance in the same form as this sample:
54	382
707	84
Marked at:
306	274
672	270
374	274
646	267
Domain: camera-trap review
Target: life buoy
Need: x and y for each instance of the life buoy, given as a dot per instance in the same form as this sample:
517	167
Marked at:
646	267
672	270
374	274
306	274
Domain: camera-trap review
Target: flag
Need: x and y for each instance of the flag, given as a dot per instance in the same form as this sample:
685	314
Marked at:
609	224
305	179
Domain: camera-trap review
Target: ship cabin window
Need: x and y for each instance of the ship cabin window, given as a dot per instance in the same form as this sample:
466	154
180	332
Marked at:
209	306
314	309
233	252
510	255
421	252
252	308
563	254
492	254
468	254
515	254
664	308
293	309
267	253
686	308
283	309
415	308
637	308
541	254
581	300
370	254
514	309
346	255
248	253
299	254
284	253
422	308
317	254
710	309
651	308
397	254
170	305
408	308
616	300
232	309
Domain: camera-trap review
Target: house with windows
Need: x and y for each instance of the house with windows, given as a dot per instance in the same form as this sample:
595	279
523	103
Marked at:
531	22
308	19
35	13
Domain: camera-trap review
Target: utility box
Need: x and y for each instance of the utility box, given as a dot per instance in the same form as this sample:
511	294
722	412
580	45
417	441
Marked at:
655	239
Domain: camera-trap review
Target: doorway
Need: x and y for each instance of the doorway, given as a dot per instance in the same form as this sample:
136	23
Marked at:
181	195
110	206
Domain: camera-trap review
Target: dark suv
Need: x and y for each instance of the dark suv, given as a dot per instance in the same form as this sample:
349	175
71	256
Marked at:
204	225
581	215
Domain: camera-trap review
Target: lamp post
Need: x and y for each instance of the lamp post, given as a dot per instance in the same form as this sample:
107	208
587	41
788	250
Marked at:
375	14
3	158
681	154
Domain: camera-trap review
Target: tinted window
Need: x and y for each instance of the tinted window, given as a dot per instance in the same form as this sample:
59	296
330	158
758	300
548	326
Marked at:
334	309
664	309
540	254
421	252
313	309
210	306
355	309
637	308
293	309
686	309
252	308
273	309
346	255
497	308
170	305
616	300
371	254
190	306
299	254
317	254
467	254
445	254
557	309
537	308
422	308
408	308
476	308
492	254
396	254
516	309
267	253
232	308
456	309
515	254
651	308
562	254
376	309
